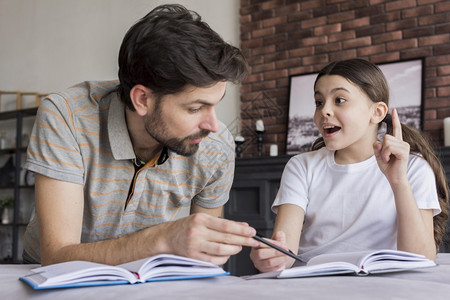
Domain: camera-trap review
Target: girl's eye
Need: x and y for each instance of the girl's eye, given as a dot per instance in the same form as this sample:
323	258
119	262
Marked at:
318	103
340	100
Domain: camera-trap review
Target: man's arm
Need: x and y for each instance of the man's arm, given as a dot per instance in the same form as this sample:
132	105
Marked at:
60	208
216	212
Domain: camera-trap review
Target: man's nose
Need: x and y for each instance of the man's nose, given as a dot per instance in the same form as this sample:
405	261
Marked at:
210	121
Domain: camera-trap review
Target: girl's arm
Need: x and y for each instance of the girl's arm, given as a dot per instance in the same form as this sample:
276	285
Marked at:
286	234
415	226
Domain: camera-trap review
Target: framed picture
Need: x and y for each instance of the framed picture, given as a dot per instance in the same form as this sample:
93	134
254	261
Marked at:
405	79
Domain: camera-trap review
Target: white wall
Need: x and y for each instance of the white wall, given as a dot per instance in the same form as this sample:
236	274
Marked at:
49	45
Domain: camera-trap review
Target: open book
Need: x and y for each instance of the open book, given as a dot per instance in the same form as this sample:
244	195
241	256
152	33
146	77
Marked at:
156	268
355	263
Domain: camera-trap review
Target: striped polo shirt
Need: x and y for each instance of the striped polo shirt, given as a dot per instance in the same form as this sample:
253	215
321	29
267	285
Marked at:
80	136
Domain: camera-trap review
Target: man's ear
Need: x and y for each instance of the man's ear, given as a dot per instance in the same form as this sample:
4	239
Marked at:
141	97
379	112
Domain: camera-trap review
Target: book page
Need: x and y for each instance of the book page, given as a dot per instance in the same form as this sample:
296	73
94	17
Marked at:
380	260
396	260
145	264
358	263
83	273
170	265
354	258
331	268
79	271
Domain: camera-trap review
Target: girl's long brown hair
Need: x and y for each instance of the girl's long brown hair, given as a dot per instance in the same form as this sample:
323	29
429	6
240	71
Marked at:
372	81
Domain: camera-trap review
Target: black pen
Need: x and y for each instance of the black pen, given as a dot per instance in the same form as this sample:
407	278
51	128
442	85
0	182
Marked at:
260	238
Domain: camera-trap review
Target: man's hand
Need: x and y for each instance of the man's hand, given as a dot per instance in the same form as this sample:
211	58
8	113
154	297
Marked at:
208	238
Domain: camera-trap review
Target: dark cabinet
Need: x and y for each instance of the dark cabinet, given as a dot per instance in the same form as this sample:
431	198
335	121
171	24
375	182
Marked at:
255	186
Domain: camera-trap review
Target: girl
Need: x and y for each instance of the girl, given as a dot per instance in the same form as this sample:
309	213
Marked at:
357	193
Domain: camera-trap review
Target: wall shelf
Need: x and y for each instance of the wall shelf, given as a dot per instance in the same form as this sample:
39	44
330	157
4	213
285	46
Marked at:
13	231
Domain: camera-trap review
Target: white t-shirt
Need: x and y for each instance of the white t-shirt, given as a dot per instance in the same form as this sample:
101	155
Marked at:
349	207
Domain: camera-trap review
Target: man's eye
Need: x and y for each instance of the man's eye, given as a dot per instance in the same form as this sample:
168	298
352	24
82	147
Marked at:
340	100
194	110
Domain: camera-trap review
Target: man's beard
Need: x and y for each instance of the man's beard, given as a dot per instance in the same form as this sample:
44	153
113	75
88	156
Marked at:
157	129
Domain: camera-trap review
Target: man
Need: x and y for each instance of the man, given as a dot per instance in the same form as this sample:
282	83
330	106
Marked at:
133	169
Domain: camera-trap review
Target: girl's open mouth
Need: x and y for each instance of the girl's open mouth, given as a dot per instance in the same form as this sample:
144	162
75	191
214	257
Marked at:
331	129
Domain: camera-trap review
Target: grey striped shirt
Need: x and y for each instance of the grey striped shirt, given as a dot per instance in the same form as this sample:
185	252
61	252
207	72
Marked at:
80	136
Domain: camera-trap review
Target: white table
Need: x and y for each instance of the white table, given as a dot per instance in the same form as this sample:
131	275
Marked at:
432	283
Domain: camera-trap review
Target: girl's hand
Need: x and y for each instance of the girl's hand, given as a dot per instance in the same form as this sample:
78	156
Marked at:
267	259
392	154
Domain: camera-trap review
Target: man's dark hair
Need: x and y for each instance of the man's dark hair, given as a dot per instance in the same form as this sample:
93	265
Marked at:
171	47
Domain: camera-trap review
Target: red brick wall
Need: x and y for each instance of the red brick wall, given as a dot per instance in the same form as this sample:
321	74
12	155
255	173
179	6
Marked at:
286	37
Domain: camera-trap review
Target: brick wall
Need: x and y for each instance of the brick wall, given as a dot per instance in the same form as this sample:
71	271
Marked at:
284	37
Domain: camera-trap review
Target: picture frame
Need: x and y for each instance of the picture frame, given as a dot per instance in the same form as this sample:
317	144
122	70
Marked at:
405	79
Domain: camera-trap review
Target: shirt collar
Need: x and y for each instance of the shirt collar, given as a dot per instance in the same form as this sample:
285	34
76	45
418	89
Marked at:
163	156
119	138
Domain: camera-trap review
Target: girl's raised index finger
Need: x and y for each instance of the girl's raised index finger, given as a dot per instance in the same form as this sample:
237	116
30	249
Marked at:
396	125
